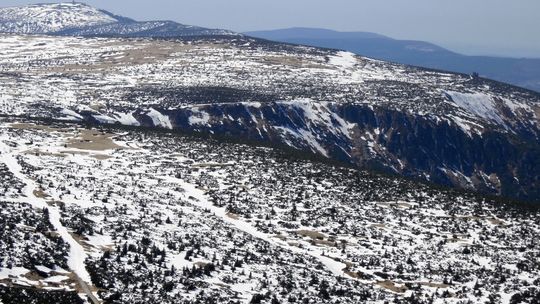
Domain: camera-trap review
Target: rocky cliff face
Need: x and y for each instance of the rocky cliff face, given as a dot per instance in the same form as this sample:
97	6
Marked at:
446	128
417	146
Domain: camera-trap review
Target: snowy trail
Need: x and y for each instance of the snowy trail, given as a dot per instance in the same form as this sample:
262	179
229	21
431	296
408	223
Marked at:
337	268
77	255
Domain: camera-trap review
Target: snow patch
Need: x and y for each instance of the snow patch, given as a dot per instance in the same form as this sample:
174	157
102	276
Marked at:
159	120
307	136
42	18
104	119
479	104
467	126
126	119
318	114
43	269
71	113
56	279
345	60
198	117
100	240
6	273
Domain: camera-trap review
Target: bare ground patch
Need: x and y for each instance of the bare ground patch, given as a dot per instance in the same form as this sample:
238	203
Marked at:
389	285
100	156
315	235
496	221
139	53
31	126
280	237
434	285
66	152
200	264
294	62
33	276
38	152
348	272
537	112
40	193
93	140
380	226
82	241
317	238
401	205
233	216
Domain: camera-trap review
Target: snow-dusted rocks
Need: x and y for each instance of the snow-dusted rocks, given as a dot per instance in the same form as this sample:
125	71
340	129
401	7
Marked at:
172	219
258	90
372	114
51	18
134	213
79	19
162	29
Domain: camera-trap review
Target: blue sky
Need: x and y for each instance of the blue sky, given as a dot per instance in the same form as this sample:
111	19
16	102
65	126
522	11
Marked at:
490	27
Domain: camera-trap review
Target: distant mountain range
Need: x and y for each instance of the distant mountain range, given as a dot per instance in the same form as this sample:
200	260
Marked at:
79	19
522	72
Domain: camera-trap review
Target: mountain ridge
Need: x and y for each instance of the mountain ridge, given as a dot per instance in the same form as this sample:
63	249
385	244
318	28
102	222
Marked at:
80	19
50	18
518	71
372	114
106	197
448	128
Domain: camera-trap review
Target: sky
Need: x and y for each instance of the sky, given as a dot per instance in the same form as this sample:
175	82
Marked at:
474	27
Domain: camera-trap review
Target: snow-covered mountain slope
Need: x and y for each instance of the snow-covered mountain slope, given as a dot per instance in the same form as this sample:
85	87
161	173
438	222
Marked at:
51	18
163	29
447	128
154	217
79	19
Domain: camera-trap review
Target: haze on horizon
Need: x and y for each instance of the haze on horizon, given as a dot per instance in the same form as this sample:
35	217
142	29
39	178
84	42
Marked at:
474	27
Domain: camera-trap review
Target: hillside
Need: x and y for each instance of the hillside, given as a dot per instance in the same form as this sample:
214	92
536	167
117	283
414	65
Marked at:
445	128
51	18
524	72
79	19
150	217
202	166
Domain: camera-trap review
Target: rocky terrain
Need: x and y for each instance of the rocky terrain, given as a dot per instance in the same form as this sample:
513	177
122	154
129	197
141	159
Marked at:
219	168
522	72
445	128
79	19
123	216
